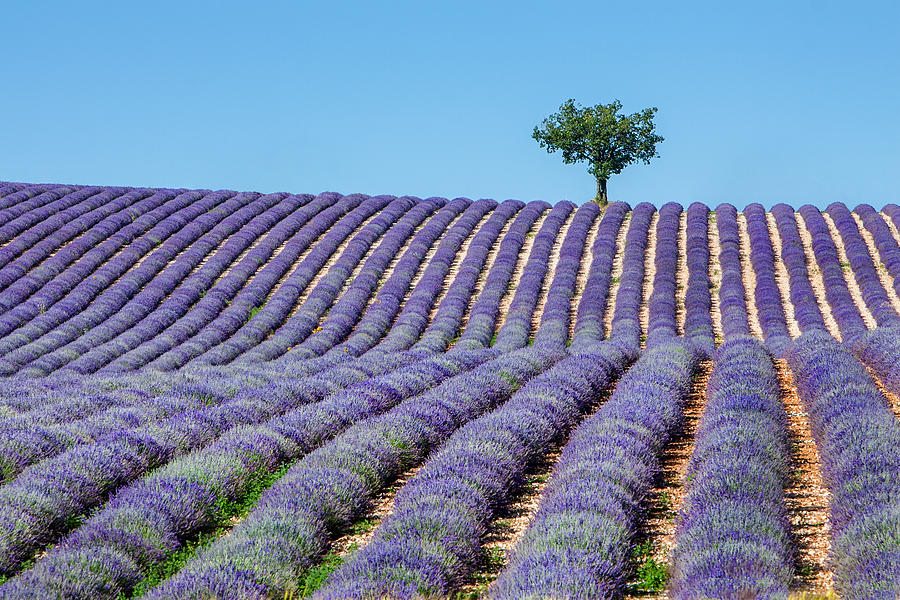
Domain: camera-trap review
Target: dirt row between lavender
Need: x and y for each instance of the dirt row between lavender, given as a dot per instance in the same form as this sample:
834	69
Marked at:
584	269
682	274
849	276
482	276
616	275
522	260
715	276
806	496
552	263
655	543
649	275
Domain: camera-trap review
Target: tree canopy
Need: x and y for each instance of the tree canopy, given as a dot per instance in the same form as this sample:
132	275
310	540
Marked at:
599	135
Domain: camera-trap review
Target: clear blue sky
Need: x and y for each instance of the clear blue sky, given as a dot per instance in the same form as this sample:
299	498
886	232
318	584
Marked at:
757	101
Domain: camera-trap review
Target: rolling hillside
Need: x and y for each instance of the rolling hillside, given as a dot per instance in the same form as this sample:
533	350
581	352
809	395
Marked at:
219	394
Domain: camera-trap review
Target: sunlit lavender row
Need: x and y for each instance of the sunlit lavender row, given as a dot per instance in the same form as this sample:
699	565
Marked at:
231	395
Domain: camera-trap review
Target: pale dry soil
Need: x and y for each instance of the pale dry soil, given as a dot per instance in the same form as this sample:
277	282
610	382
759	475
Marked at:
887	282
380	508
849	276
453	271
518	269
891	226
510	524
815	278
649	275
806	496
550	276
749	278
373	297
667	497
584	269
356	270
482	276
782	278
892	400
616	276
715	277
516	514
682	275
335	256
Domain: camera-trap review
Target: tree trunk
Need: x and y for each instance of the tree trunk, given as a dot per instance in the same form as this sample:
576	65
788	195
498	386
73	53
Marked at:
601	198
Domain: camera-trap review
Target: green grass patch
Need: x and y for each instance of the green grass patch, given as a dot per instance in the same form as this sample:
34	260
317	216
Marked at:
651	575
225	511
256	309
515	383
493	561
317	575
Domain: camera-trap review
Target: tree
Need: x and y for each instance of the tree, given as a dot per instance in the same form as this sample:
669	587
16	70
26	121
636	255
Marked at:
602	137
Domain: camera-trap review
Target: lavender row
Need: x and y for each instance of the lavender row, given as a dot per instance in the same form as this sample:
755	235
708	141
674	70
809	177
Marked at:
55	405
139	236
403	333
879	348
380	315
9	188
36	504
302	226
844	310
409	329
416	311
432	538
888	250
55	253
308	316
516	331
485	312
295	518
732	296
626	324
193	289
858	439
266	209
25	442
145	522
588	330
94	299
413	256
24	231
409	324
52	256
863	267
769	307
140	290
662	326
555	316
282	301
43	241
447	320
225	290
698	325
803	298
345	312
893	212
22	198
225	317
578	544
733	538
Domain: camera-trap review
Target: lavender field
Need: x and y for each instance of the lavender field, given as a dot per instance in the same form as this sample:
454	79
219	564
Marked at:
228	395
